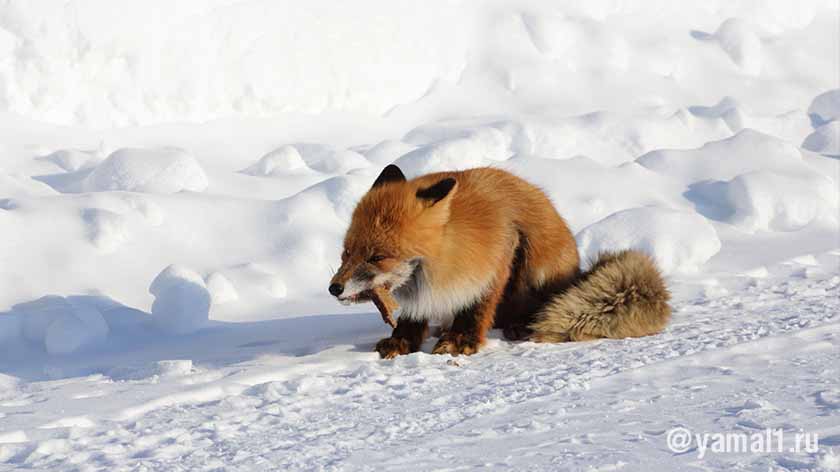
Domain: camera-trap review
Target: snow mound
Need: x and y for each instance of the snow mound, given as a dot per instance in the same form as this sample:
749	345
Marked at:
341	193
260	281
747	151
467	148
791	126
282	161
738	39
160	369
7	384
615	137
10	329
71	160
174	368
825	107
386	152
164	170
107	230
182	301
679	241
15	185
199	61
329	159
70	422
585	191
221	289
62	325
825	139
13	437
769	201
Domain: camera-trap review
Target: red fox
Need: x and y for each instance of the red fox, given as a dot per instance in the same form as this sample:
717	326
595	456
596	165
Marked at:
483	248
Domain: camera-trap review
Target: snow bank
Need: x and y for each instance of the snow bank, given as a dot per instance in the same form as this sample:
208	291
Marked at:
7	384
330	159
607	137
107	230
282	161
386	152
474	149
765	200
338	194
741	43
182	301
790	126
166	369
107	63
10	329
825	117
15	185
102	63
298	272
61	325
585	191
753	181
71	160
747	151
825	107
679	241
221	289
825	139
165	170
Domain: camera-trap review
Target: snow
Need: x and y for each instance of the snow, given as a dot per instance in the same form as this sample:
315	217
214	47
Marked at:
104	68
740	42
282	160
71	160
220	288
746	151
166	170
677	240
61	325
825	139
177	177
182	301
774	202
825	107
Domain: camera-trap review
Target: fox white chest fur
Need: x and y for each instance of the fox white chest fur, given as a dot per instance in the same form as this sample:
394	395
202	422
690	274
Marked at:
419	299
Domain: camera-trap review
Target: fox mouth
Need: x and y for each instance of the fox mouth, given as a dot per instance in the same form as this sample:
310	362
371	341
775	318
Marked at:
353	299
363	296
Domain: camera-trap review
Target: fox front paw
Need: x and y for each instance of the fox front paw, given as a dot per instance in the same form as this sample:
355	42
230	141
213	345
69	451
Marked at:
389	348
455	344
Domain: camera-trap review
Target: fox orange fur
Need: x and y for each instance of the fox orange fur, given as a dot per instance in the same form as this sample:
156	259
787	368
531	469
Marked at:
480	248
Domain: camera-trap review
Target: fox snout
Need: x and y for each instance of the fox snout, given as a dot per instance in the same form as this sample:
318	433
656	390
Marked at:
338	281
354	278
336	289
350	280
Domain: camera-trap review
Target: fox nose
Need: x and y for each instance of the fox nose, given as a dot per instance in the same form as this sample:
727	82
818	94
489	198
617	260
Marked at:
336	289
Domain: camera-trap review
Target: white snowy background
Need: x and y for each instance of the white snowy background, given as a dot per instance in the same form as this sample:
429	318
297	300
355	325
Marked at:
176	177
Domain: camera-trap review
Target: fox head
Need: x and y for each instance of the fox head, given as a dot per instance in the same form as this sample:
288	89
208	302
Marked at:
395	226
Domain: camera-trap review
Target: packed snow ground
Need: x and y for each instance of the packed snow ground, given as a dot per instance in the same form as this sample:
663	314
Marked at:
173	197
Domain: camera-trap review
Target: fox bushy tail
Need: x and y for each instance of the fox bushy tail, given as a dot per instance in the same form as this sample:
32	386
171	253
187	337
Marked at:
622	295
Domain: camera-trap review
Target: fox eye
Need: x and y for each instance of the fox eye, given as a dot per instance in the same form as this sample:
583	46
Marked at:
345	254
376	258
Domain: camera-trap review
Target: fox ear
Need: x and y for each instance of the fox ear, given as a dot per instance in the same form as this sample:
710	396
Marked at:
437	192
390	173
